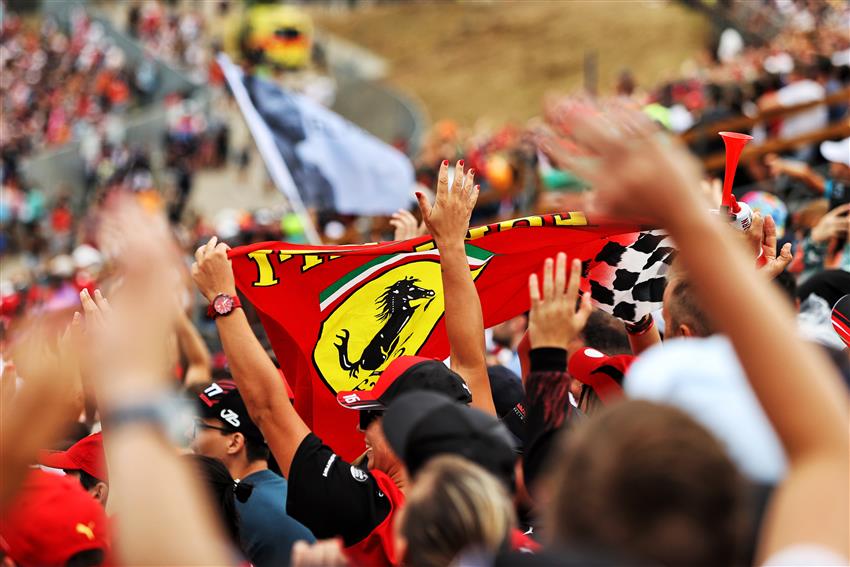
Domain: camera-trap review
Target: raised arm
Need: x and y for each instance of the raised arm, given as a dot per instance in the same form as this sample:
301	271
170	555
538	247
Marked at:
156	498
794	169
198	359
253	371
448	221
641	174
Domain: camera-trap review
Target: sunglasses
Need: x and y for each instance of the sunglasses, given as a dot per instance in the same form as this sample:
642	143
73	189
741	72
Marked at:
367	417
199	424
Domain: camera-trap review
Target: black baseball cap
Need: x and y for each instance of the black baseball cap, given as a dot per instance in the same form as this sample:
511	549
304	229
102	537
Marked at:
406	374
508	396
420	425
221	400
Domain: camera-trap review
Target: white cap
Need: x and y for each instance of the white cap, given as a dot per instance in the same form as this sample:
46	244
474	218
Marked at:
837	152
61	266
779	64
840	58
703	378
86	256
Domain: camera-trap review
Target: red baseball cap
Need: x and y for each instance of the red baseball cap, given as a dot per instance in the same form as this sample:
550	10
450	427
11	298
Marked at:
51	520
603	373
404	374
85	455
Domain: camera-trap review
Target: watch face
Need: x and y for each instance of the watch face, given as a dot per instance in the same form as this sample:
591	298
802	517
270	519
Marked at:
223	304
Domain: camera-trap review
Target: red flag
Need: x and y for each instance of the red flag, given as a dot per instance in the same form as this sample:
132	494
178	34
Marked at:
338	315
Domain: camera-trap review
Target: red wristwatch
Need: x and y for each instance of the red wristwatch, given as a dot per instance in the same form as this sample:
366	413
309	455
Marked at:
222	305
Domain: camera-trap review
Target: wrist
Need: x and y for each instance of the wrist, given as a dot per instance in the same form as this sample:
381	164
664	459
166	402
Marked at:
449	244
161	411
640	327
226	290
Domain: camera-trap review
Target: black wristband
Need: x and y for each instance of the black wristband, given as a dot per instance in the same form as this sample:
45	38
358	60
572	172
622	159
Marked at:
641	326
548	359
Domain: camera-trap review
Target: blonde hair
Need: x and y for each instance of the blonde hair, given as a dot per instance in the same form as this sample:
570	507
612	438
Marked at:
454	505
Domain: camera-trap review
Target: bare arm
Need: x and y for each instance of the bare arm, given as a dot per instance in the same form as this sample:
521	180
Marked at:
796	170
155	495
47	391
640	175
643	340
199	361
448	221
256	376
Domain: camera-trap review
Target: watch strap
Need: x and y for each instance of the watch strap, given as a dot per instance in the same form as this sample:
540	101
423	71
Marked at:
212	313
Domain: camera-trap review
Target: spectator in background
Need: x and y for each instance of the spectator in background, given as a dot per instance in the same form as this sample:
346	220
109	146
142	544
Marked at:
223	493
226	432
802	87
85	461
53	521
456	512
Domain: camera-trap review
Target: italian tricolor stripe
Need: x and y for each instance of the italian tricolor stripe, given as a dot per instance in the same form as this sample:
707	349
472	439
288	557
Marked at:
475	256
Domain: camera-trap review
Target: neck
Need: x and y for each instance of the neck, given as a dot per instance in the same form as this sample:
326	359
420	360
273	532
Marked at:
243	469
398	475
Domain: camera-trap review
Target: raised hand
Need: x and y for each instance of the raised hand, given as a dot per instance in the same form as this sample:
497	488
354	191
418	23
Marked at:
638	173
405	225
554	320
212	270
49	390
773	264
128	336
448	219
323	553
833	224
761	241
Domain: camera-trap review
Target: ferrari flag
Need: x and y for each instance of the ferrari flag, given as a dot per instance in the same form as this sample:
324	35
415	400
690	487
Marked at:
336	316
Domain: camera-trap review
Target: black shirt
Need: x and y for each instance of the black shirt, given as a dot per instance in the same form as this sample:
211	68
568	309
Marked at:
332	497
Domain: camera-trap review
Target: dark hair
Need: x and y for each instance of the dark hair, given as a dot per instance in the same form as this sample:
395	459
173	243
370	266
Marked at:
221	488
606	333
256	450
647	481
87	480
87	558
685	310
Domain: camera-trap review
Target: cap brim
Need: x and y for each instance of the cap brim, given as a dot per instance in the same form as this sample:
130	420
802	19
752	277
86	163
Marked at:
598	370
57	460
359	400
841	319
836	152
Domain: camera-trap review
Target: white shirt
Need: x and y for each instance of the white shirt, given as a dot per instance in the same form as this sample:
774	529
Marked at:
808	120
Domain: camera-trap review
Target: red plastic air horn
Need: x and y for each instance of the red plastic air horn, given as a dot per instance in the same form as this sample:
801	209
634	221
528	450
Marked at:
739	213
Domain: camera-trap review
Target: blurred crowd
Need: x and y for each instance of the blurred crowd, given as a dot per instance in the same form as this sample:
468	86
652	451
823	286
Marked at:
711	432
176	36
58	87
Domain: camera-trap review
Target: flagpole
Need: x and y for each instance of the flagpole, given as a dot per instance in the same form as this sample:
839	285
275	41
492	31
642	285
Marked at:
265	144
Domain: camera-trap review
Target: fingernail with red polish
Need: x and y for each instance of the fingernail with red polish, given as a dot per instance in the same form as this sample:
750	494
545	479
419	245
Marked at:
445	162
460	163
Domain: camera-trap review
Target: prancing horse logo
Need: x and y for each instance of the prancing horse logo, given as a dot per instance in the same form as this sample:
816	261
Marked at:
396	310
387	315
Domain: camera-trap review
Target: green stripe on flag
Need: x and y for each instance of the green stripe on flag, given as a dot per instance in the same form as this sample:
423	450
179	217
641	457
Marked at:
330	290
478	253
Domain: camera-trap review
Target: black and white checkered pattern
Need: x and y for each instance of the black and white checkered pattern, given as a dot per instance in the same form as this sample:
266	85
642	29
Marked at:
627	277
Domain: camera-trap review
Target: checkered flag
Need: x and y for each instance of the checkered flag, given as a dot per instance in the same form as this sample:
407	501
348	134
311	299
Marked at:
626	278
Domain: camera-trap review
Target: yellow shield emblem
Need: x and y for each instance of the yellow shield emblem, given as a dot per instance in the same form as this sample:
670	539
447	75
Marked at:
387	317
